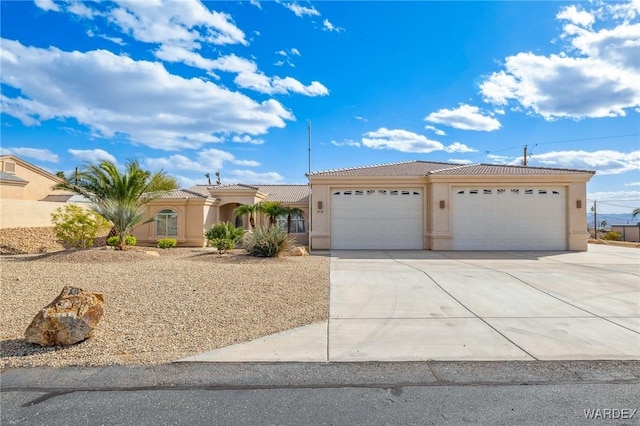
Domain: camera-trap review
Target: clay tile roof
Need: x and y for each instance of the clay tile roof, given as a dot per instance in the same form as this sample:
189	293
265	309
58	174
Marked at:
182	193
10	177
405	168
423	168
209	189
286	193
496	169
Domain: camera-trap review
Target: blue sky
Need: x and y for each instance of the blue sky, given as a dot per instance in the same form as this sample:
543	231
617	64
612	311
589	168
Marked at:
195	87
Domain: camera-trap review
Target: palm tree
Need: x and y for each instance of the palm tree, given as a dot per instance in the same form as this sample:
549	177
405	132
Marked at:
635	212
273	209
118	197
291	211
249	209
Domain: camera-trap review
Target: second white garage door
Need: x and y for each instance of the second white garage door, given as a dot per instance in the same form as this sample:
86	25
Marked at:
509	218
375	218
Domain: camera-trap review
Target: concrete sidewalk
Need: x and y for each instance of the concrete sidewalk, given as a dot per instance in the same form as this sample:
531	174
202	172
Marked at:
467	306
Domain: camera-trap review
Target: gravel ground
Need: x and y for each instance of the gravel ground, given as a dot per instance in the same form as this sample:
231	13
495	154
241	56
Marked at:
160	309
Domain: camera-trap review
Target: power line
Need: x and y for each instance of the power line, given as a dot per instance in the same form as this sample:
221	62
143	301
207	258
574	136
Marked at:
559	141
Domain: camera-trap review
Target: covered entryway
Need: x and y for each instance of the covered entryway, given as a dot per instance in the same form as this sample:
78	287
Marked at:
376	218
509	218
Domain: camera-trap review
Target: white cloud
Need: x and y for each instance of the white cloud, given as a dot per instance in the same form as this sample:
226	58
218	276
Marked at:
206	161
80	9
459	147
256	3
596	75
435	130
295	52
277	85
35	153
247	139
328	26
605	162
359	118
465	117
459	161
632	184
347	142
618	202
184	22
251	177
301	11
47	5
152	106
400	140
92	155
578	17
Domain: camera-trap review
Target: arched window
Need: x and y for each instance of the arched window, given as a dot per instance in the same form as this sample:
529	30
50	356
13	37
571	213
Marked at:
166	223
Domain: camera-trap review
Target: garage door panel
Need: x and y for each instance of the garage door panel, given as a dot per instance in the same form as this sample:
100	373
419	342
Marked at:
375	218
503	218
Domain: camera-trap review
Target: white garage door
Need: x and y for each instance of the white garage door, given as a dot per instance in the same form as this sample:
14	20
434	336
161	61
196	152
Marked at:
375	218
509	218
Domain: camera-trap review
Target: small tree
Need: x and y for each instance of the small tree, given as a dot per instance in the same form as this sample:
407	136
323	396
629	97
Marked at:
77	227
273	209
224	236
248	209
291	211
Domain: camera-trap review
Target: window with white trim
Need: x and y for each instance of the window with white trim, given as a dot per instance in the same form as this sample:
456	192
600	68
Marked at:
166	223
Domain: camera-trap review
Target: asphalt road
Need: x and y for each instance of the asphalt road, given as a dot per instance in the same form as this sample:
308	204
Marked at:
439	393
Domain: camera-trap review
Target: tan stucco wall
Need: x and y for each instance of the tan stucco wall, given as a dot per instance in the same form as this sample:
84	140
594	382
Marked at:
195	216
322	188
38	186
630	233
27	213
192	216
437	229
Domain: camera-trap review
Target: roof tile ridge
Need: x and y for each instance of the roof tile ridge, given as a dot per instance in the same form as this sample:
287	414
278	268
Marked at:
344	169
454	167
517	166
199	194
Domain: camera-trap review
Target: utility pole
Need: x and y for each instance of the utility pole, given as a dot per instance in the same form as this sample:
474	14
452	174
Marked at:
524	163
309	177
595	219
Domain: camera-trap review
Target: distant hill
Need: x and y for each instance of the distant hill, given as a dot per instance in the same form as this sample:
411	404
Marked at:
613	219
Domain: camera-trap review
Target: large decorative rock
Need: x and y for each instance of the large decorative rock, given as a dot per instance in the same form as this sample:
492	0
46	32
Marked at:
298	251
71	318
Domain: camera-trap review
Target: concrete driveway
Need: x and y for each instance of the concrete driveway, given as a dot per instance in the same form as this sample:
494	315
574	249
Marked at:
424	305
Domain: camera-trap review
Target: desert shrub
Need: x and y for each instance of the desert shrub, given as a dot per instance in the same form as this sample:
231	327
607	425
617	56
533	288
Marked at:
612	236
166	243
267	242
77	227
129	240
223	236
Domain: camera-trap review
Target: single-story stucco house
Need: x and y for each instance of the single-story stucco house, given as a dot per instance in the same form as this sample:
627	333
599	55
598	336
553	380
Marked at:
185	214
407	205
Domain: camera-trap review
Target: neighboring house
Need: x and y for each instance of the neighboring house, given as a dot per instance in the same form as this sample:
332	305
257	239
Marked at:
185	214
630	233
441	206
26	197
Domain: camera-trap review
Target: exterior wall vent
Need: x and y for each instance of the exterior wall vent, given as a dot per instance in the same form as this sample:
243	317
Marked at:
9	167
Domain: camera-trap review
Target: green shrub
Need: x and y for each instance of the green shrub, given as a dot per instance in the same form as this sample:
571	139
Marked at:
612	236
77	227
166	243
129	240
223	236
267	242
